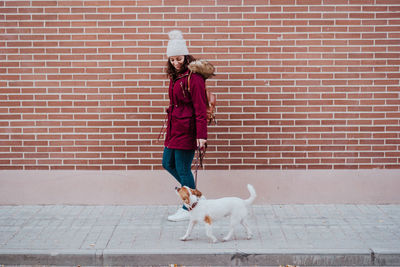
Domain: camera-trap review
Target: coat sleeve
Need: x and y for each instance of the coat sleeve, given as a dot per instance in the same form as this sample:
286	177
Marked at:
198	92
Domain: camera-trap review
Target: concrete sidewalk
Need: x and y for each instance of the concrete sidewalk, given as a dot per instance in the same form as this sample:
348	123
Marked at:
303	235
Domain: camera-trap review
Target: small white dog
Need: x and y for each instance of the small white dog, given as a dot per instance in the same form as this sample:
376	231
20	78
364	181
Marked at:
203	210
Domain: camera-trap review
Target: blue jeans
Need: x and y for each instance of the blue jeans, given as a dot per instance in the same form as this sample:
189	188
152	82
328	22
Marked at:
178	162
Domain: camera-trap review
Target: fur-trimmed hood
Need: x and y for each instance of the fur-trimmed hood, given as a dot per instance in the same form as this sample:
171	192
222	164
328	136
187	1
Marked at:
202	67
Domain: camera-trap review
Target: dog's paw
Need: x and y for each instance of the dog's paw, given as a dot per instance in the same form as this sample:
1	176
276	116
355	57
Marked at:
184	238
249	237
214	240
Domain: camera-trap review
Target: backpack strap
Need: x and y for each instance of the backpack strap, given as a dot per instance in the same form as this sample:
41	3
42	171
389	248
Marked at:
190	75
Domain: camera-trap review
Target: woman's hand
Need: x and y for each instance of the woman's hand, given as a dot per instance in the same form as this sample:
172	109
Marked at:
201	143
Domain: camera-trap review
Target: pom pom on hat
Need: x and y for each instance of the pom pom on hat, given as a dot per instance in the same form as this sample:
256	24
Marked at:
176	44
175	34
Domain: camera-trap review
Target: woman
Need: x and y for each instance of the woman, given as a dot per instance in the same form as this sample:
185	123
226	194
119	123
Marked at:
187	116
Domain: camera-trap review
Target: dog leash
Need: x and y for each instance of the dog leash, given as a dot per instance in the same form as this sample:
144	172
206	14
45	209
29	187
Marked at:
163	128
199	161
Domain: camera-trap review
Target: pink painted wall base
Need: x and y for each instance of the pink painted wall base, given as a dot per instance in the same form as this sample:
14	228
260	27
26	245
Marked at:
156	187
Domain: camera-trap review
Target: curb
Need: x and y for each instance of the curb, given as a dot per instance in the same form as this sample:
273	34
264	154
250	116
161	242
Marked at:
154	257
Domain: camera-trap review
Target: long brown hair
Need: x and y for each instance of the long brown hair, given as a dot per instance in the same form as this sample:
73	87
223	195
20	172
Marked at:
171	71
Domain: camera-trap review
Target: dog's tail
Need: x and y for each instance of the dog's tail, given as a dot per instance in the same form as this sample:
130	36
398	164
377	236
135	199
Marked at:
253	195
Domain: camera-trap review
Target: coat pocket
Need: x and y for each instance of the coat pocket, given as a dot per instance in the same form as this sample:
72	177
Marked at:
182	125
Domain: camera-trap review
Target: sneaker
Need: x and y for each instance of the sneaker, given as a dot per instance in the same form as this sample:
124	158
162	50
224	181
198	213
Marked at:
180	215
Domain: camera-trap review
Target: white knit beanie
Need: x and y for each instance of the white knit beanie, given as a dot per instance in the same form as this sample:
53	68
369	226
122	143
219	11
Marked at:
176	44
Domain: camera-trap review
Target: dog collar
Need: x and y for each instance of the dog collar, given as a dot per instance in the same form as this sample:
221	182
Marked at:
193	206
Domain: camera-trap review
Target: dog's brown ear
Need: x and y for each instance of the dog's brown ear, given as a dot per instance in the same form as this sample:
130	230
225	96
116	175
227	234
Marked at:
197	193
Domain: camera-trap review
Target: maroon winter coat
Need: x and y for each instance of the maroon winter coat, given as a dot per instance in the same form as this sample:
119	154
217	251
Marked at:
187	112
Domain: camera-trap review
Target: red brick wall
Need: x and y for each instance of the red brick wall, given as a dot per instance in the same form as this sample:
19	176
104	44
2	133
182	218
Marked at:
301	83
